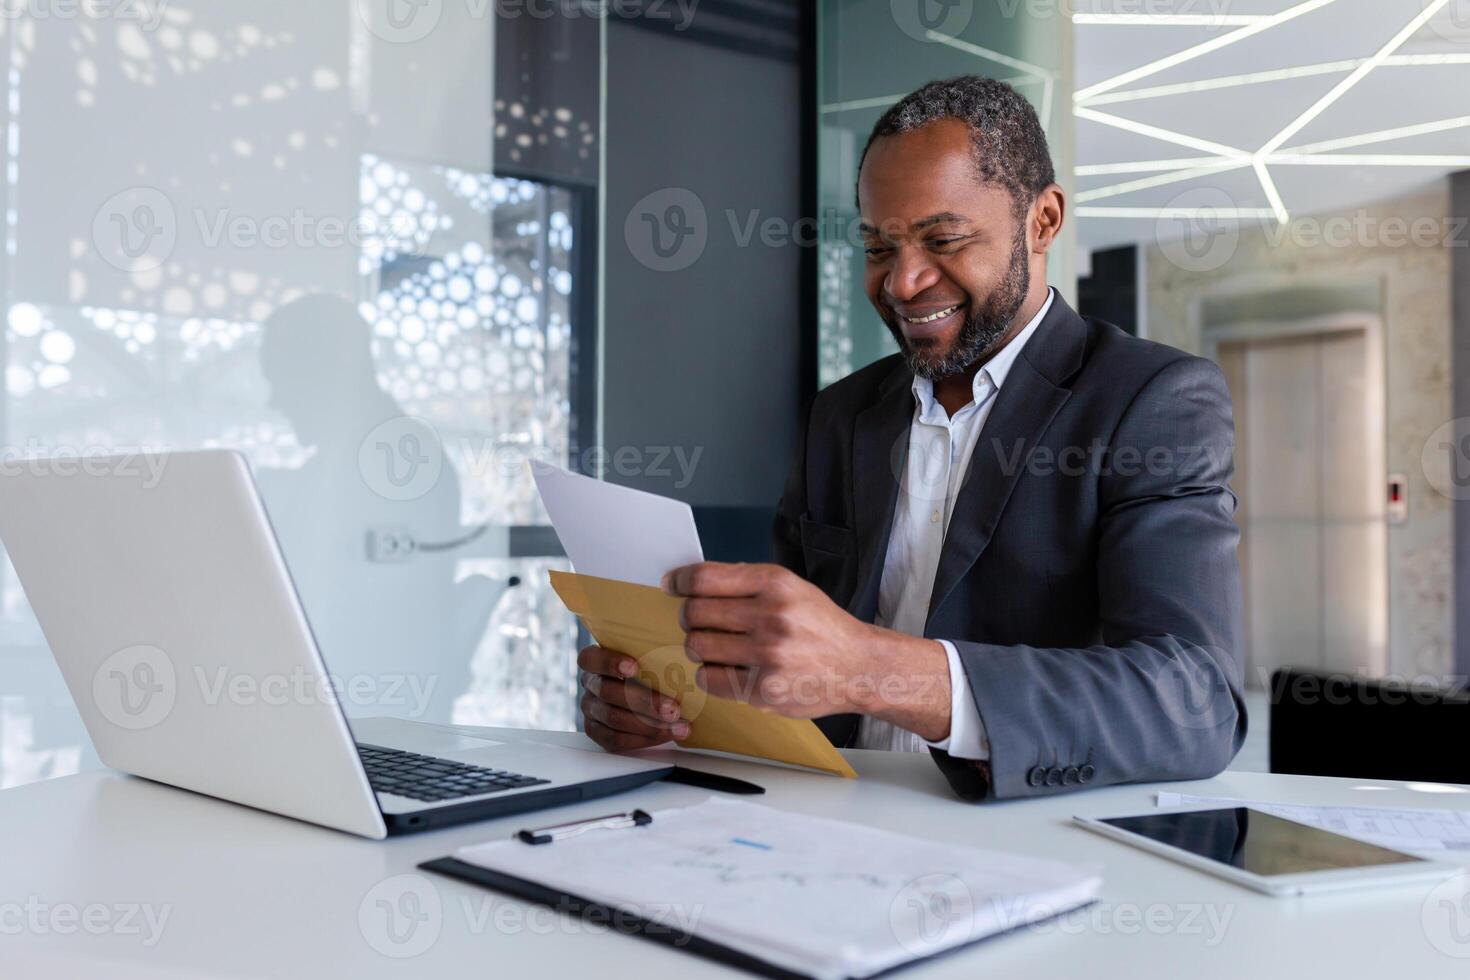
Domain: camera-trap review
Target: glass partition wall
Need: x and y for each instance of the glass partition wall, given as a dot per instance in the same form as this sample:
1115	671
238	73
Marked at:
353	240
870	54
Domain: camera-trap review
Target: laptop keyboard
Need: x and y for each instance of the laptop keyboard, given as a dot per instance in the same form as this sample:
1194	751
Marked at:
424	777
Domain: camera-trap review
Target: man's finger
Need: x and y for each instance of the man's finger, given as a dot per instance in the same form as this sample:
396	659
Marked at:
733	683
715	647
730	615
609	663
619	719
652	706
615	741
714	578
623	720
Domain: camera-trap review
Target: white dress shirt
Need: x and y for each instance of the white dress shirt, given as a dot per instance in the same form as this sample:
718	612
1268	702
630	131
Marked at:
940	447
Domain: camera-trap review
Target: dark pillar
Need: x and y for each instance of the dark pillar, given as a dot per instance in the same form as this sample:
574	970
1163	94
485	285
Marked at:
1111	292
1460	373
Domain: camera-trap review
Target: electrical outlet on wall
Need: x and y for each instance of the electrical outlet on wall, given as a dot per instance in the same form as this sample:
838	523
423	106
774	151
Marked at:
390	544
1398	499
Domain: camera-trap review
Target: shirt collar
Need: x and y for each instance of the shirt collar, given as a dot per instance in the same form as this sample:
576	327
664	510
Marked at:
996	369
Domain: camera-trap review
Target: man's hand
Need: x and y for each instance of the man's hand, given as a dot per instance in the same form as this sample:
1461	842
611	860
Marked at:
764	635
619	713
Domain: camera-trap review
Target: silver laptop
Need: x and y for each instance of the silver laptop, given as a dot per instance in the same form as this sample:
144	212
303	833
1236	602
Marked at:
152	583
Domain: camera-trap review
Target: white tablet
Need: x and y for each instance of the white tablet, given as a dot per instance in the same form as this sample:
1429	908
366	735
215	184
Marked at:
1266	852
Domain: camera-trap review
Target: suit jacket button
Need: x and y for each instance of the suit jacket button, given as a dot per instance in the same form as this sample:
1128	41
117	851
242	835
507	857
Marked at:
1086	773
1036	777
1071	775
1054	777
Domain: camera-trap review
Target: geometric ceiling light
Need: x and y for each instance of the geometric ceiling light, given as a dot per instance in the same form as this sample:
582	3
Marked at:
1272	75
1335	93
1228	158
1203	48
1382	135
1086	211
1222	82
1029	72
1169	20
1308	154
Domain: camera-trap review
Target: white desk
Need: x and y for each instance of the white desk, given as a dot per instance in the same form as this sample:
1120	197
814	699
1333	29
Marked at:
248	894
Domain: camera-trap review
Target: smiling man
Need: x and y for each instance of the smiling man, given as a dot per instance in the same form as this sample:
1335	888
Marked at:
1012	543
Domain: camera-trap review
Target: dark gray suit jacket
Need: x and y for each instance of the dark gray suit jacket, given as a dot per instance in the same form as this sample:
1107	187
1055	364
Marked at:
1088	578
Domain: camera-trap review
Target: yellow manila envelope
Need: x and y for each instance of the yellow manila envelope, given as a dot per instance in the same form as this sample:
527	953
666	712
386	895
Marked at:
643	622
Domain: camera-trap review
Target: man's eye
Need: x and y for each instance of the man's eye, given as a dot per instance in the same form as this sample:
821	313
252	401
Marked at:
874	251
944	242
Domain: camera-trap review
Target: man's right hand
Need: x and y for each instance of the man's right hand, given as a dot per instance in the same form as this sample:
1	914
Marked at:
619	713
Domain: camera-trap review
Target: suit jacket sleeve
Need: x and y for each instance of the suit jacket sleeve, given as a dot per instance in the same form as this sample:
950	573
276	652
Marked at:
1159	697
786	550
786	531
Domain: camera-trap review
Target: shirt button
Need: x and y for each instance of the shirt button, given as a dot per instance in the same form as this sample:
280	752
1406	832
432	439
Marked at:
934	517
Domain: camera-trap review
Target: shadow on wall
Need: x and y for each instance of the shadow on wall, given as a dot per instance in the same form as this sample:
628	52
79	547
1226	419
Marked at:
397	635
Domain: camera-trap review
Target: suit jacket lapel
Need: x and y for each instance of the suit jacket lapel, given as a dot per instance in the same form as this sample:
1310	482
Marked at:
880	446
1024	408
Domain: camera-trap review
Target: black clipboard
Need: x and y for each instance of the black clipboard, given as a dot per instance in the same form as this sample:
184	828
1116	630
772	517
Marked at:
627	923
615	919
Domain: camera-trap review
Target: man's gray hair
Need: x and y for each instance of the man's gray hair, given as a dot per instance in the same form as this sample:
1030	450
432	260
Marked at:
1009	143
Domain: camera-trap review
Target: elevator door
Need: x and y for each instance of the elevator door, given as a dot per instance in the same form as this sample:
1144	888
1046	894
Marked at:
1310	474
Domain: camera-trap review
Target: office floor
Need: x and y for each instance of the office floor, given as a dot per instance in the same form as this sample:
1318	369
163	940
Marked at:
1254	755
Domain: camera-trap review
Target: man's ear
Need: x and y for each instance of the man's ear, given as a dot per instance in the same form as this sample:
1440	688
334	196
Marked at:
1047	213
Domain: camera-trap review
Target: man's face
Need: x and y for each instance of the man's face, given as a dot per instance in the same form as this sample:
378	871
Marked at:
948	262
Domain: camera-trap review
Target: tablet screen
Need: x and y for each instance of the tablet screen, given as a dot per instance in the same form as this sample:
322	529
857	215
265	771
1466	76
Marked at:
1258	842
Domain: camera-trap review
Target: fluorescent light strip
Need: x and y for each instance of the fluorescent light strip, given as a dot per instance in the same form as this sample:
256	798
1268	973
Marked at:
1381	136
995	56
1168	20
1146	166
1167	135
1396	60
1269	186
883	101
1337	91
1368	160
1143	183
1274	75
1227	81
1289	157
1086	212
1189	54
873	103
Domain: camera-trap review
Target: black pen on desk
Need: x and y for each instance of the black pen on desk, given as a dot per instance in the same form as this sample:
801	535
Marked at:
709	780
576	828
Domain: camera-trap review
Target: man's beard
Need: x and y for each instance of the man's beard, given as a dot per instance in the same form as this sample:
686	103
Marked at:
983	330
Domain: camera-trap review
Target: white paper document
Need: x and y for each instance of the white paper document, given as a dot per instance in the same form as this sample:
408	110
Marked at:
815	896
1439	835
617	532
